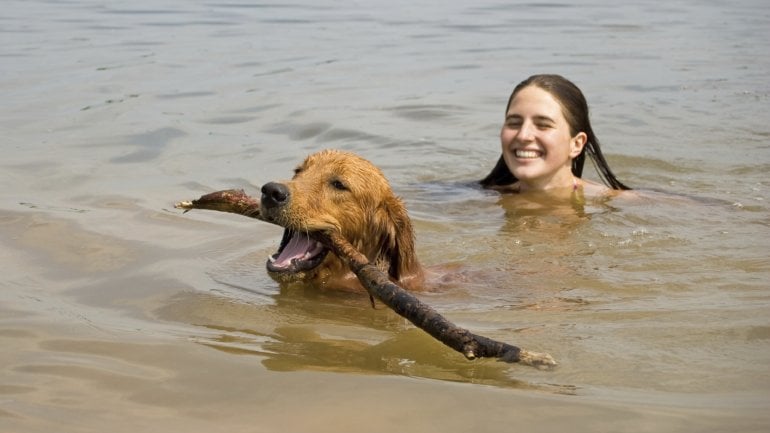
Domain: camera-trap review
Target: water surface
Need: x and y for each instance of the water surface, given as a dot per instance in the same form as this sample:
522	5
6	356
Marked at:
118	312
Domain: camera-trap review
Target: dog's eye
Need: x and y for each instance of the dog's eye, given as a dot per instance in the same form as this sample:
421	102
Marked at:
297	171
339	185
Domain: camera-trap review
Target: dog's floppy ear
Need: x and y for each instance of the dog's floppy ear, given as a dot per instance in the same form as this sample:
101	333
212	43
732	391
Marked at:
397	239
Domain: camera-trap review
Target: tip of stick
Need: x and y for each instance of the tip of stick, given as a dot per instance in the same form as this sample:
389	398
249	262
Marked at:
542	361
186	205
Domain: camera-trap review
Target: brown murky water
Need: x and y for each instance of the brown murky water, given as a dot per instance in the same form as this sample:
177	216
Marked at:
119	313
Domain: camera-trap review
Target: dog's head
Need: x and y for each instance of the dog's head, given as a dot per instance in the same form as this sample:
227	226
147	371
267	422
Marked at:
336	191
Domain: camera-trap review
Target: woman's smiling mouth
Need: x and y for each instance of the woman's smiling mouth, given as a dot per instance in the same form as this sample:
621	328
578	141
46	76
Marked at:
527	154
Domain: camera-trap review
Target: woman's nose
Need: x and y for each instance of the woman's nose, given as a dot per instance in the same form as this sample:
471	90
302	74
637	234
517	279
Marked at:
526	132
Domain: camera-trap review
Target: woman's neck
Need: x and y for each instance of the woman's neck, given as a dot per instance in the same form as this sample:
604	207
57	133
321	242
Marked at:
555	183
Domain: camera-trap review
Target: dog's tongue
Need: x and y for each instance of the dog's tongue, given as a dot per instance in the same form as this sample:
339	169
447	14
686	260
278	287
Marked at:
300	247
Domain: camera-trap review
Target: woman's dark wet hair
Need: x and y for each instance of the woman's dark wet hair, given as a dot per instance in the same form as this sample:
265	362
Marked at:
575	109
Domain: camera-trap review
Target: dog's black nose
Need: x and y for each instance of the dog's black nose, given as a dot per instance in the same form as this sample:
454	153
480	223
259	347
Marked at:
274	194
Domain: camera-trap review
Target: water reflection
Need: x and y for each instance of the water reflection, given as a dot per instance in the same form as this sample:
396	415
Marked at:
554	215
336	332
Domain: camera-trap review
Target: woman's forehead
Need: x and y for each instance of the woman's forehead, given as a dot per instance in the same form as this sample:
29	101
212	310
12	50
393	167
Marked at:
533	100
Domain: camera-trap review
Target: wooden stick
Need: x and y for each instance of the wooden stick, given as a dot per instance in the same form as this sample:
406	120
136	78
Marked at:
380	287
229	200
425	317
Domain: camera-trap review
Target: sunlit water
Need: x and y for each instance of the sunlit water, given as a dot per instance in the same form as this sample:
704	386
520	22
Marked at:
119	313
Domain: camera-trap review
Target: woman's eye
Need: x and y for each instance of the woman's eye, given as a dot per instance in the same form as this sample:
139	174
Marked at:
339	185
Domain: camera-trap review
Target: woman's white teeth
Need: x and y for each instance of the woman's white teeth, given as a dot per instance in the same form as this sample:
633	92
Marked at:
520	153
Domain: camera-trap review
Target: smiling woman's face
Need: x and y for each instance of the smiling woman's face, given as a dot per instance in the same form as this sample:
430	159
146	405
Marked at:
536	141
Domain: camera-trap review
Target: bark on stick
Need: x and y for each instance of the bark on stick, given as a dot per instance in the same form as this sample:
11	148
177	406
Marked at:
229	200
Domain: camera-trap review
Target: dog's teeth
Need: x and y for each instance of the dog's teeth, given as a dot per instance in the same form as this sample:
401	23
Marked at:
271	259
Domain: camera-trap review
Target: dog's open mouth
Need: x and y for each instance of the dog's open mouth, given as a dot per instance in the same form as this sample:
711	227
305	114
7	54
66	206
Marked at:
298	252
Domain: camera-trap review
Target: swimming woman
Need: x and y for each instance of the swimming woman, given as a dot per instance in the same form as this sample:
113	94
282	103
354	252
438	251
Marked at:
545	138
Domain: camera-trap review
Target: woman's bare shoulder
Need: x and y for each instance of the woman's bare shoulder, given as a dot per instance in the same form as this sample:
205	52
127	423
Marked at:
595	190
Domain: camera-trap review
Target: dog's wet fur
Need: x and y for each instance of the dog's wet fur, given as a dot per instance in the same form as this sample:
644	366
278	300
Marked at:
339	191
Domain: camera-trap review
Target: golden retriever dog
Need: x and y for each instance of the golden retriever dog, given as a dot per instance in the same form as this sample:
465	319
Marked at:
339	191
